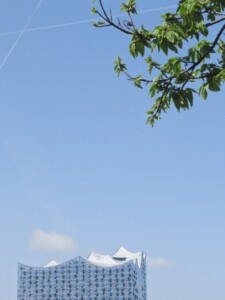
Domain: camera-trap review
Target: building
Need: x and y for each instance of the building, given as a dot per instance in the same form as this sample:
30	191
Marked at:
99	277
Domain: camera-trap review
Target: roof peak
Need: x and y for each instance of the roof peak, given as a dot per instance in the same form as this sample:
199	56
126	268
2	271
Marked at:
123	252
51	263
121	256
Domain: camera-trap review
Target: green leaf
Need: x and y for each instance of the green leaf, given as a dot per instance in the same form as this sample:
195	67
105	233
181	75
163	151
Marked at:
129	7
98	24
176	100
173	48
141	49
203	92
164	46
177	68
151	121
94	10
149	61
170	36
133	49
137	81
119	66
213	85
189	93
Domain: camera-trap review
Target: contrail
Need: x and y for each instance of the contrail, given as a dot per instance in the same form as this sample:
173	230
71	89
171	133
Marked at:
32	29
54	26
156	9
20	35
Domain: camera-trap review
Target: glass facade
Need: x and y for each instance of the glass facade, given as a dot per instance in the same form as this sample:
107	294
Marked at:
83	280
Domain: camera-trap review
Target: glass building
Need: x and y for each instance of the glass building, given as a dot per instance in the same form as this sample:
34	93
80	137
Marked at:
99	277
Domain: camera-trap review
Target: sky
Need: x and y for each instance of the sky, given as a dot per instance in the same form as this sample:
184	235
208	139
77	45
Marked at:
80	170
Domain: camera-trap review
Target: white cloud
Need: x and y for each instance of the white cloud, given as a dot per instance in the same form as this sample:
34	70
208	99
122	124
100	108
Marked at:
159	262
47	242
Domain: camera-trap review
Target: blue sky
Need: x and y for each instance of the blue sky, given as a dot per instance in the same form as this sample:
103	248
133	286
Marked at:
78	164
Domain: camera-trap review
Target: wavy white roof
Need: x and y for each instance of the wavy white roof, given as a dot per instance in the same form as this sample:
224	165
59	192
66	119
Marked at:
120	257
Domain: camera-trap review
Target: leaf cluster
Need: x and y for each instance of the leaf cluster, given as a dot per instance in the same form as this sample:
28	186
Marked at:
174	82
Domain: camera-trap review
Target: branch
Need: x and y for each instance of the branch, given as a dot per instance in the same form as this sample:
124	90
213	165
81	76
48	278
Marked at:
215	22
210	49
109	20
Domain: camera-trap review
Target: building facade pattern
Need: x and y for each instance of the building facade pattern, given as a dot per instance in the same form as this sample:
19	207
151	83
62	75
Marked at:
120	277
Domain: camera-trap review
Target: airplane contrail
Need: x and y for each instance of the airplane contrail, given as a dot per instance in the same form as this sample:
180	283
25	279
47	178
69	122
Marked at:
20	35
54	26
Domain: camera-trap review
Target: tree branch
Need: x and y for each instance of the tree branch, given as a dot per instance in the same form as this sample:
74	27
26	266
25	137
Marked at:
109	20
215	22
210	49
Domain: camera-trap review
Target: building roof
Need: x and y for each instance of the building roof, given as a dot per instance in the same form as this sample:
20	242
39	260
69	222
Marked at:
120	257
